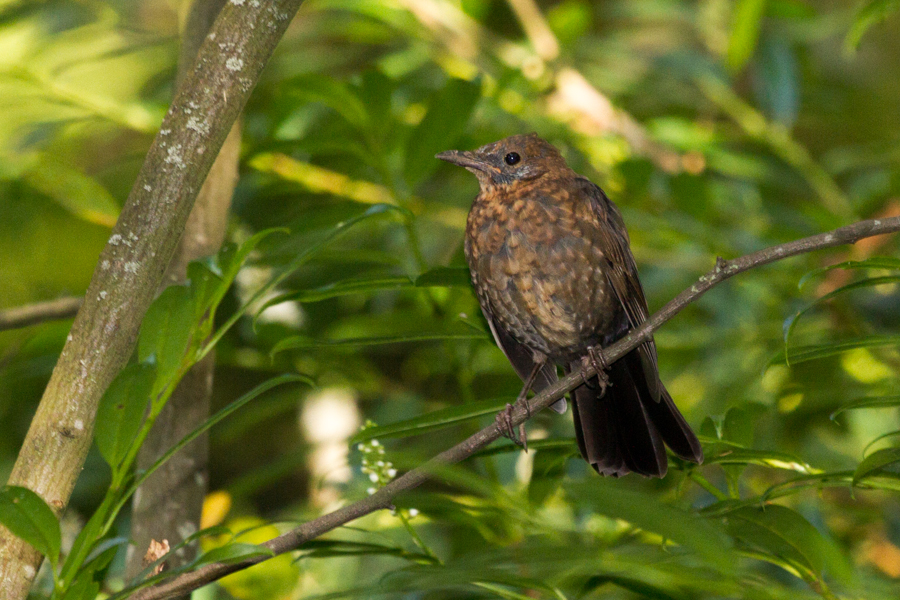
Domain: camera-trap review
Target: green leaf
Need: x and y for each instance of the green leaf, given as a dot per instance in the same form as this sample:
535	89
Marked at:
206	425
745	28
362	285
334	94
739	423
444	277
232	553
872	13
791	322
86	584
83	588
432	421
648	513
447	115
548	469
777	460
298	342
121	411
205	284
78	193
801	354
785	535
27	516
301	259
871	402
166	331
875	262
334	548
231	258
876	462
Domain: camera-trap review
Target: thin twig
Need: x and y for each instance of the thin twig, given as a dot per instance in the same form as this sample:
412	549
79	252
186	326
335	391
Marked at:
383	498
31	314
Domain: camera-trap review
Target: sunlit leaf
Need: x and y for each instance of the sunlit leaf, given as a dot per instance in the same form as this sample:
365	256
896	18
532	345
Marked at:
27	516
777	460
745	26
319	180
75	191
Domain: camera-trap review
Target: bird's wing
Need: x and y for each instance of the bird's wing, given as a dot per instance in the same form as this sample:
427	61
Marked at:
622	273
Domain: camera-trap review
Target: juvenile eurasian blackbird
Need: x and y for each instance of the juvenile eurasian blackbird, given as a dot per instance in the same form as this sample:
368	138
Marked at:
551	265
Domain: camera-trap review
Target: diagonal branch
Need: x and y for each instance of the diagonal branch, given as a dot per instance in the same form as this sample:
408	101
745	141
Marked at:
383	498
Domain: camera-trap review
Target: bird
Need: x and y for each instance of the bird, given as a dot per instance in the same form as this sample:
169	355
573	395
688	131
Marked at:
551	265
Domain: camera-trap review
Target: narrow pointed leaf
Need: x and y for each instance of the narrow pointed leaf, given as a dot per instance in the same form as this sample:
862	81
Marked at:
801	354
363	285
432	421
873	402
875	262
875	463
232	553
869	282
299	342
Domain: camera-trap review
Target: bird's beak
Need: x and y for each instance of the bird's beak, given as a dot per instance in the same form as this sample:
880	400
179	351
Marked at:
469	160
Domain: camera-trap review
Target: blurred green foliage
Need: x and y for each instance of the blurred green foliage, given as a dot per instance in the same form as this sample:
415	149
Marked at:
746	124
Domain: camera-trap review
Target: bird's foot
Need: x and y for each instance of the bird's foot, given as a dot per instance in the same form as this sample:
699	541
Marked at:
506	427
596	359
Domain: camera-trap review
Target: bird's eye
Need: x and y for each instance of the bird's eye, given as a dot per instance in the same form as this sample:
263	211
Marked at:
512	158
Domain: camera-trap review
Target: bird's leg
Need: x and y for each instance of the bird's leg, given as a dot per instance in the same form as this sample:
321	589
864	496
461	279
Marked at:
504	417
596	359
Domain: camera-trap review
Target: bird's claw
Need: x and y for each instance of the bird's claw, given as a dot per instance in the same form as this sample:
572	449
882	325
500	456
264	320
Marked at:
598	361
506	427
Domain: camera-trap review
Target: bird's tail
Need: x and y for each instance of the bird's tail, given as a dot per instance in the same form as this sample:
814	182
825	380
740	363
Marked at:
626	430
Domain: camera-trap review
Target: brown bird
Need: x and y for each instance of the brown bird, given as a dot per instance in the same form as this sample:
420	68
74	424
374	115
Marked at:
551	264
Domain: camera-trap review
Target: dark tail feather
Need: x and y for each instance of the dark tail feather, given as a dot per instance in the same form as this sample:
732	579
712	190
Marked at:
626	429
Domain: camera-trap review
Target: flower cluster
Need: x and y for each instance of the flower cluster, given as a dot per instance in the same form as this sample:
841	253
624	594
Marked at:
379	471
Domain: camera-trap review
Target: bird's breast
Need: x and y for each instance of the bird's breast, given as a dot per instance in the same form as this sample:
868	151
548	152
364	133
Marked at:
537	271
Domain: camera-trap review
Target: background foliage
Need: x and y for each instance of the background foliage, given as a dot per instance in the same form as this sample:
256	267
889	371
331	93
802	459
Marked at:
742	124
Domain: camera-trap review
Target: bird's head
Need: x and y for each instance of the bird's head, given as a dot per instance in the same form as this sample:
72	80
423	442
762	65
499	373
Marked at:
516	158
